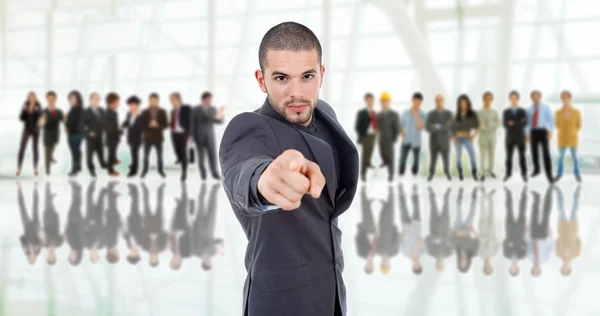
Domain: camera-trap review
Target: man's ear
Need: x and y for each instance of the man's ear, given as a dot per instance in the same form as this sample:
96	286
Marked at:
261	80
322	75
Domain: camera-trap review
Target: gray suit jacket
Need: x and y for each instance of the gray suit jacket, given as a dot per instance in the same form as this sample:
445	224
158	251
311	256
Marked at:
439	126
202	123
294	259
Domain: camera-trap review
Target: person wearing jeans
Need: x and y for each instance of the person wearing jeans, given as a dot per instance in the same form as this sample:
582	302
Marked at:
74	127
411	126
464	131
568	123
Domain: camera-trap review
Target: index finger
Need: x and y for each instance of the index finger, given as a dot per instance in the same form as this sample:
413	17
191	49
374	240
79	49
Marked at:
316	178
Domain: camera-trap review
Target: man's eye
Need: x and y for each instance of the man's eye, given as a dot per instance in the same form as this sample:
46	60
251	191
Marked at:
280	78
308	76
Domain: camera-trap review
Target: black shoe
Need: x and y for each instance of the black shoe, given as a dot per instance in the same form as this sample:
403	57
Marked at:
578	178
448	176
524	176
557	178
143	175
216	177
493	175
92	173
72	173
482	178
430	177
131	174
460	175
474	174
162	174
534	174
177	162
506	177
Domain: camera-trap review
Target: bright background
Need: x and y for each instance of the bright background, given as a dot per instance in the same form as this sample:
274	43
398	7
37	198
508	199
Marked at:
447	46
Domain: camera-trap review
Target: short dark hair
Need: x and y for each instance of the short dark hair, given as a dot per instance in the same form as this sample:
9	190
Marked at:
533	92
176	95
134	100
488	93
111	98
417	95
369	95
50	94
205	94
566	92
154	95
288	36
515	93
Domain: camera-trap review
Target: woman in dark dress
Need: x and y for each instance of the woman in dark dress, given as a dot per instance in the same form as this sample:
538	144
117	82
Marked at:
30	115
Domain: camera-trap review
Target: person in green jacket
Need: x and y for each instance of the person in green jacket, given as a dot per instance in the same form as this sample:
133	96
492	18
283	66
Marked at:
489	121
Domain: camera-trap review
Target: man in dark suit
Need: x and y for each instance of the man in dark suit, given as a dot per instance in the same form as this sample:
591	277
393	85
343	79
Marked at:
514	120
366	128
154	121
93	129
289	171
133	124
180	131
113	131
204	117
388	128
50	122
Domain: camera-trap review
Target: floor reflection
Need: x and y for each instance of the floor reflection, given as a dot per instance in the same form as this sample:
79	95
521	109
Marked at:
94	231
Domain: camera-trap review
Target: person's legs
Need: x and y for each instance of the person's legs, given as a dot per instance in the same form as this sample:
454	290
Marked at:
212	158
434	151
48	154
576	170
146	158
416	153
367	153
492	155
522	160
509	159
35	144
561	161
22	146
472	158
446	160
159	153
404	148
482	153
459	148
90	147
200	148
535	156
547	159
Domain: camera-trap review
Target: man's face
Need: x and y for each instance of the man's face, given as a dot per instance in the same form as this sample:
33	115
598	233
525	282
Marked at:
175	101
153	102
95	100
51	101
536	98
292	81
115	105
416	103
369	101
207	101
133	107
565	98
439	102
514	100
385	104
487	100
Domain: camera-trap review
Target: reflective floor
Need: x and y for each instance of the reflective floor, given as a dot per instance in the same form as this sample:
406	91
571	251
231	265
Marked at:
157	247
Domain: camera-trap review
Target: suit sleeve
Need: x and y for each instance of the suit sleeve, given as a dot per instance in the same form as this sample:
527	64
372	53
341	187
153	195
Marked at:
248	145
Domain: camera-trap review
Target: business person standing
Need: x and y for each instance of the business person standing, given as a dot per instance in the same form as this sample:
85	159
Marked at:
412	123
464	130
204	117
568	124
133	124
154	121
113	131
540	123
514	120
271	160
489	121
75	132
50	123
439	126
366	128
180	130
30	115
93	129
388	127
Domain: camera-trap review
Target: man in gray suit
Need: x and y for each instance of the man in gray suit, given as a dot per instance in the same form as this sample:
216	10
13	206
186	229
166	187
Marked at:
204	117
438	125
289	170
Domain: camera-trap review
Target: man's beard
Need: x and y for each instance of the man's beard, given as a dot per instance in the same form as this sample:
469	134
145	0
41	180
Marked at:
295	118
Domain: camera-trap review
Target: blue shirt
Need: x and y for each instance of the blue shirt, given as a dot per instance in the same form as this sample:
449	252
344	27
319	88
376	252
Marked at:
408	125
545	118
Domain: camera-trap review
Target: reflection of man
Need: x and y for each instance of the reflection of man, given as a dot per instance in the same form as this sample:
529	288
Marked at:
366	127
154	236
388	241
438	240
366	239
112	225
568	243
94	222
133	235
271	159
412	245
205	245
181	237
489	244
53	238
514	247
30	240
541	243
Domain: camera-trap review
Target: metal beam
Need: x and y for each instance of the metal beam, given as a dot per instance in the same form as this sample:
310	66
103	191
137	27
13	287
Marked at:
505	46
234	91
470	11
414	44
212	49
326	44
49	73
